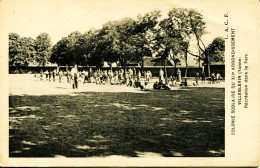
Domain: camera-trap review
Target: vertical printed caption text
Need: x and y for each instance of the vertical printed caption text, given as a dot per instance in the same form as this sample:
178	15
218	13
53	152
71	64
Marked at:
239	75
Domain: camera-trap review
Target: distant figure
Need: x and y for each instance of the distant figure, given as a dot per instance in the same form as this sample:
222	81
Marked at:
60	75
47	74
138	76
74	74
173	81
50	74
127	78
53	75
91	75
84	76
218	78
160	85
41	74
68	76
156	85
134	74
179	75
213	77
203	77
161	75
184	82
197	78
149	76
130	71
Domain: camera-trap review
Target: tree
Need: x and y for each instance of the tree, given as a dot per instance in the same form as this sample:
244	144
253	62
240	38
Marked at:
86	46
169	42
27	49
121	34
143	34
21	50
103	50
192	27
71	50
15	57
215	52
43	48
60	52
74	49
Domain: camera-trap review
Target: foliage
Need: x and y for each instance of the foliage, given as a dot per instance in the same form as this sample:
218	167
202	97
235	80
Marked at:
21	50
215	51
59	51
123	41
144	37
43	48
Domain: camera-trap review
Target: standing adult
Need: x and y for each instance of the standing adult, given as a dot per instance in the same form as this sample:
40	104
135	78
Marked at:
179	75
149	76
161	75
47	74
218	77
53	75
60	75
68	76
138	76
197	78
41	74
203	77
50	74
134	74
74	73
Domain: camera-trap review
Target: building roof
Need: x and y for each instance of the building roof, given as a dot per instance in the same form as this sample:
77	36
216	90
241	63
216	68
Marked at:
152	61
217	63
31	64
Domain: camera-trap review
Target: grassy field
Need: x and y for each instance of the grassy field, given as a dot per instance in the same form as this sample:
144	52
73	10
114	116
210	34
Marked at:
188	122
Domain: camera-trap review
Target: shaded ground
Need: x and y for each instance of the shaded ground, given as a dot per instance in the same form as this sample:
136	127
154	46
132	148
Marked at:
186	123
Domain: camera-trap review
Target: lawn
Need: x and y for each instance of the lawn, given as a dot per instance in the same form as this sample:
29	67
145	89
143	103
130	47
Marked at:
188	122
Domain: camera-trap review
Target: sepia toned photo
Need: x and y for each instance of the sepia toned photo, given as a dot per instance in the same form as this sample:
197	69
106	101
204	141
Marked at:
123	80
136	87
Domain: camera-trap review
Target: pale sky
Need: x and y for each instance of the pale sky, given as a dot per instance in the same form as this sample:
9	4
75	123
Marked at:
59	18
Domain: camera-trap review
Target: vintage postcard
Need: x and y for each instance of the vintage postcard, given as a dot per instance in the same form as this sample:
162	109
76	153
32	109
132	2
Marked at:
129	83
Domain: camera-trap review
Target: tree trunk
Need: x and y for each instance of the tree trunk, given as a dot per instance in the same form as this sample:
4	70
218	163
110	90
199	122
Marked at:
164	66
199	58
165	72
125	74
142	60
186	61
209	69
175	69
142	65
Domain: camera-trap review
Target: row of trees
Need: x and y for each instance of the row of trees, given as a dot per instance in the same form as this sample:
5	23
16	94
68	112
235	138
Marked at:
23	50
126	40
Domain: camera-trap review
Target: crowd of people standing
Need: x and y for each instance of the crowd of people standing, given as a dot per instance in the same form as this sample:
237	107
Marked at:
129	77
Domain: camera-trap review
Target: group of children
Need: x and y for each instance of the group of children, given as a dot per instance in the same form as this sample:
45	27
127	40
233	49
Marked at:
129	77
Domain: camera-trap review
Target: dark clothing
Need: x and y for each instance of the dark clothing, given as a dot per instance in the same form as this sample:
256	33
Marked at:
75	82
53	75
49	76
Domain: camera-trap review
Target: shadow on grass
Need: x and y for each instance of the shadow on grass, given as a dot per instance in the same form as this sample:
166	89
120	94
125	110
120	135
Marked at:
159	123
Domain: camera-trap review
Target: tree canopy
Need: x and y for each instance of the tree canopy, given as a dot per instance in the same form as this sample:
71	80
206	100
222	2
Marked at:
123	41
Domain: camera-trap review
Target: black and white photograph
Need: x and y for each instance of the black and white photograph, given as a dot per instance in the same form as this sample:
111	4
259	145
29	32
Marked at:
117	79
